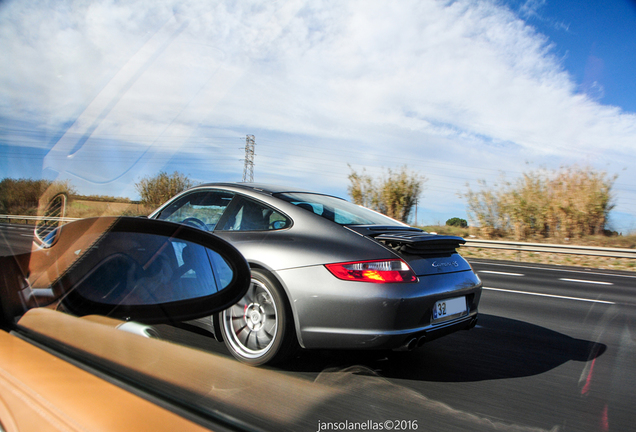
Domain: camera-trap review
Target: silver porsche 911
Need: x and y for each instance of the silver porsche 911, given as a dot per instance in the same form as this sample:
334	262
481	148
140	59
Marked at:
327	273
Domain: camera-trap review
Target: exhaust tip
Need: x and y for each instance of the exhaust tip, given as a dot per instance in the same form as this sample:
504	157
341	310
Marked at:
408	346
421	340
411	344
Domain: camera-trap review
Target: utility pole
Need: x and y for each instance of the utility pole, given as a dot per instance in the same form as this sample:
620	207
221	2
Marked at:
248	167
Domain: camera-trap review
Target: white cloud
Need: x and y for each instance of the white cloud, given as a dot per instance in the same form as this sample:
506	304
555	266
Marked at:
466	84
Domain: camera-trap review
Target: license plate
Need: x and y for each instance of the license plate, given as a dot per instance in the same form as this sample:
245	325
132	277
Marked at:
449	309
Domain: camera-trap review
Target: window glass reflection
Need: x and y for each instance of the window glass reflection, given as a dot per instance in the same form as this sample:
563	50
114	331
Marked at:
337	210
146	269
249	215
199	209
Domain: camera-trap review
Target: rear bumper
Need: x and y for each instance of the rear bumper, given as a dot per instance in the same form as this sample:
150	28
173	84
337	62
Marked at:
399	340
418	339
334	314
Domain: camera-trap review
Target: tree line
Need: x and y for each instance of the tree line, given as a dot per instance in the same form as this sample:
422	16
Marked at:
23	196
568	202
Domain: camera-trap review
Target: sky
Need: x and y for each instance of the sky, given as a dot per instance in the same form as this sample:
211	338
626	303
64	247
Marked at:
105	93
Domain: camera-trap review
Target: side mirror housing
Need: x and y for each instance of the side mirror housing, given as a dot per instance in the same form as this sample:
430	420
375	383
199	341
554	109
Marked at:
138	269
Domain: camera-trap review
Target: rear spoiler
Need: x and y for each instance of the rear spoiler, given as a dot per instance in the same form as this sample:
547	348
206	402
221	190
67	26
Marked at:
412	240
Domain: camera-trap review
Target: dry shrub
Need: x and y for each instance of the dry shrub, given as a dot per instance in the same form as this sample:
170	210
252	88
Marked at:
160	188
570	202
394	194
24	196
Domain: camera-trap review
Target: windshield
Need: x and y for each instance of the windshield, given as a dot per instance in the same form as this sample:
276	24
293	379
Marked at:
510	124
337	210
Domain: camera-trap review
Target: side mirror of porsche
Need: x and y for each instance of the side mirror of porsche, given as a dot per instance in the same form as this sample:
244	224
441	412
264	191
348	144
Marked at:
145	270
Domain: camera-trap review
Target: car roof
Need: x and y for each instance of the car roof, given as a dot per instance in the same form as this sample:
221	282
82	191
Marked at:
259	187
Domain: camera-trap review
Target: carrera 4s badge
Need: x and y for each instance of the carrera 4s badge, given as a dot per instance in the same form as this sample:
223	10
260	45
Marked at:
441	266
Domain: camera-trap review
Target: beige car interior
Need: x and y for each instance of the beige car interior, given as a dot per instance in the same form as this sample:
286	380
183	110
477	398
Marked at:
39	391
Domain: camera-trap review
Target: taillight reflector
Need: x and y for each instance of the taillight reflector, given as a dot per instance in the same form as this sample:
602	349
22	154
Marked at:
380	271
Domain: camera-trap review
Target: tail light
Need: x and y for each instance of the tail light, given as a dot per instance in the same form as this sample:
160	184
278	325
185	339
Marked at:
381	271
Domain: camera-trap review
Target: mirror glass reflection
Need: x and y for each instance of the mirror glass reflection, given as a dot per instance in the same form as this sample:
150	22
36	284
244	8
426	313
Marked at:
146	269
51	220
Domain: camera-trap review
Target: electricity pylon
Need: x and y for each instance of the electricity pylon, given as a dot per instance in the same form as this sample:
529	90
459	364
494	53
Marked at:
248	168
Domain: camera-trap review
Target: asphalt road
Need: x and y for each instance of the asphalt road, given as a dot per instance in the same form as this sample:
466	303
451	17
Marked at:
555	349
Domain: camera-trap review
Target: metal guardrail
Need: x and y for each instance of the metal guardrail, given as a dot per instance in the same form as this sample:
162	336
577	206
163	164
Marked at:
37	218
486	244
552	248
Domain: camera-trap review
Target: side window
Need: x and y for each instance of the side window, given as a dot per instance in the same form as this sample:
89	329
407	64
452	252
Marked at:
201	209
249	215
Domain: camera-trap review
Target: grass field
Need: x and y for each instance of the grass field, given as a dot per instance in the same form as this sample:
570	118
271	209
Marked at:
84	209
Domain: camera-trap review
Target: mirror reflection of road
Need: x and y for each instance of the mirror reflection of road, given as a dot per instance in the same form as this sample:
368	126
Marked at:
554	347
15	238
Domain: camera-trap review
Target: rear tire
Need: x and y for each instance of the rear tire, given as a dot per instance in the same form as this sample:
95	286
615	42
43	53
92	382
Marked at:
259	329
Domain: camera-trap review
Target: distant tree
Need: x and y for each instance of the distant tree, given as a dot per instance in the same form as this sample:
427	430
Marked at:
160	188
23	196
394	194
362	189
457	222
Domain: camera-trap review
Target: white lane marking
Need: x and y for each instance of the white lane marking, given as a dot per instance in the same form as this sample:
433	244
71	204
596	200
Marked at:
549	295
500	273
586	281
554	269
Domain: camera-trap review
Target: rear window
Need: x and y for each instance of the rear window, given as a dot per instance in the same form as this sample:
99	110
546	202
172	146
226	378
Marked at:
337	210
